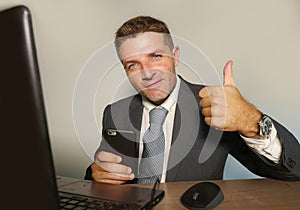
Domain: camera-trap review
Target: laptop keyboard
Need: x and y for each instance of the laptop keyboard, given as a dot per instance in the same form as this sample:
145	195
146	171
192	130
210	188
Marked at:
78	202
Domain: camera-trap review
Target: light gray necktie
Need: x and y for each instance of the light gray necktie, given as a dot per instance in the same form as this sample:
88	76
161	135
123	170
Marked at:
151	166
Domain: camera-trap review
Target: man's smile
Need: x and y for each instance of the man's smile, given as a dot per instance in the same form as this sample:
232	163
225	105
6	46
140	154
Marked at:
154	84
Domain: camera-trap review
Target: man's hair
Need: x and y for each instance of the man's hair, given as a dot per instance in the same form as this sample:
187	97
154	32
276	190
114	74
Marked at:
141	24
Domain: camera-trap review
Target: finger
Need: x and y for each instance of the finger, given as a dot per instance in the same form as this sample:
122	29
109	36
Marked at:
205	102
207	120
228	74
100	175
111	178
108	157
114	167
206	112
105	175
211	91
203	93
218	108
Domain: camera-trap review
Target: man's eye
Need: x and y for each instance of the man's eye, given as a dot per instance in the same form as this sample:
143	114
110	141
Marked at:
157	56
131	66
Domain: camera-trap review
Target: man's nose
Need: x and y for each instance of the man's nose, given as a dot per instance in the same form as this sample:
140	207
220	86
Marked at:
147	71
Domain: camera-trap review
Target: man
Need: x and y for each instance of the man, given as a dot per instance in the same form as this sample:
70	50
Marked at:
194	114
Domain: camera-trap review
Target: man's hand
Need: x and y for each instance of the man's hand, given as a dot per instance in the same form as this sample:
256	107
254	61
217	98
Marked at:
107	169
224	107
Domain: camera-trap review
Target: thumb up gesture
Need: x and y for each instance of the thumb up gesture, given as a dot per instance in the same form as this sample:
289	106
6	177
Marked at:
225	108
228	74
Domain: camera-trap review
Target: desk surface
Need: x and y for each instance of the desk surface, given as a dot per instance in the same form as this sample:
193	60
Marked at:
240	194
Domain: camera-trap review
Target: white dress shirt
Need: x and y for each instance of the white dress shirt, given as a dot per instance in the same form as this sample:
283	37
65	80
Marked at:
270	148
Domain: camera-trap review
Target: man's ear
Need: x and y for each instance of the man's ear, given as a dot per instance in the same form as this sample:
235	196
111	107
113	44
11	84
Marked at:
176	53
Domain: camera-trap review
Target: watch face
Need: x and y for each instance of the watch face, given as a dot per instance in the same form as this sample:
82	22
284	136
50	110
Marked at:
266	126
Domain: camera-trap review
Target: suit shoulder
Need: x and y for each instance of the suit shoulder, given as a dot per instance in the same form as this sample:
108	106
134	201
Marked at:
195	88
124	102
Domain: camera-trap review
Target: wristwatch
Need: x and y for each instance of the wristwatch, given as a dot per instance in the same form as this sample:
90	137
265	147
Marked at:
265	126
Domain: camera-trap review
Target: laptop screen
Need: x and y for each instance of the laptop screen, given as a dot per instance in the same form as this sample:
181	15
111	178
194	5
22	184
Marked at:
27	168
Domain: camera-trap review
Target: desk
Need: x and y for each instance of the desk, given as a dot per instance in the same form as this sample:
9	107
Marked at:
240	194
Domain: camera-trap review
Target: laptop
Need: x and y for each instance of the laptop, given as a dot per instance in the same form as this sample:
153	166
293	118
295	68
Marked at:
28	179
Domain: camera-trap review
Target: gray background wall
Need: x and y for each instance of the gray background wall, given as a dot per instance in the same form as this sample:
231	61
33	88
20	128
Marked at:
262	37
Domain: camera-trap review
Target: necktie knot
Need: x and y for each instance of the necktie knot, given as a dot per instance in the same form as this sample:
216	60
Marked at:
158	115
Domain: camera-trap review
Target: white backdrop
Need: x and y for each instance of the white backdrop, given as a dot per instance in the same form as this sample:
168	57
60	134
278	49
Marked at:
261	37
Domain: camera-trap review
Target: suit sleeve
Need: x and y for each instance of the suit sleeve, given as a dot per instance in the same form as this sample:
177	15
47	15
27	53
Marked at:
108	122
88	171
288	167
290	157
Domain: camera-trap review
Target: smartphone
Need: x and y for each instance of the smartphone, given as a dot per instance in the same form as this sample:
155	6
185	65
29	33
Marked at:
123	143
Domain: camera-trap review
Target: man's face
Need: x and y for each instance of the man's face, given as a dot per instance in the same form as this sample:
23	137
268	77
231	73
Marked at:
150	65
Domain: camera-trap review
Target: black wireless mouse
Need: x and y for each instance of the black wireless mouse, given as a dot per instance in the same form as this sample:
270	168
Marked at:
203	195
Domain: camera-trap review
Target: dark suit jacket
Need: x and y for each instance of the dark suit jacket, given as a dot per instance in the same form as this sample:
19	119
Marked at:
189	134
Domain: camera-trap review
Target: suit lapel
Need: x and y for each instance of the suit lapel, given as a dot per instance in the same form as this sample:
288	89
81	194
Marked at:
136	114
135	121
185	130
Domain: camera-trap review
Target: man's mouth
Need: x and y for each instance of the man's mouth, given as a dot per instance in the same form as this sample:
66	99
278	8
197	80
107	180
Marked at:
153	84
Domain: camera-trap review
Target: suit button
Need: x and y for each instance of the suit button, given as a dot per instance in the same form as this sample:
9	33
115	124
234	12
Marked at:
291	163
